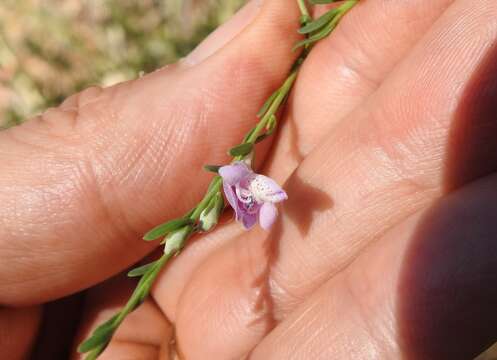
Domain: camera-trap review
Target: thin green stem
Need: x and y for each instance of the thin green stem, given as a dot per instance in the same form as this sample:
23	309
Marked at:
140	293
284	90
347	5
214	188
100	338
306	16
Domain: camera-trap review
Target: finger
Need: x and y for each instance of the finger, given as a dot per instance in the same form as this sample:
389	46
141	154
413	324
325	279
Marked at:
422	292
82	184
18	329
431	120
387	160
144	334
340	67
346	68
228	297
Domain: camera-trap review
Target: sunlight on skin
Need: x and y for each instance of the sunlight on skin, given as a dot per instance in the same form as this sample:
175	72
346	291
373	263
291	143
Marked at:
374	155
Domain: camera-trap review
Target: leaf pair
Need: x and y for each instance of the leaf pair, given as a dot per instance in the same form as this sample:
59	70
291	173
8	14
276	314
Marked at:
325	24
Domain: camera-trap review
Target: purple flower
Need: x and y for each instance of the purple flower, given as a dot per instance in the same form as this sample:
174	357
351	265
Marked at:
252	196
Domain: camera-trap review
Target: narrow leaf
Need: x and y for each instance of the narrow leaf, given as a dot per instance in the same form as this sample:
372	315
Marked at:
94	341
106	325
212	168
213	183
261	138
267	104
322	34
241	150
319	23
166	228
100	335
141	270
249	134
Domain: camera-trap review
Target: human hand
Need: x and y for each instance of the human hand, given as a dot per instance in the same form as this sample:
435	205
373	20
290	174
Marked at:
374	256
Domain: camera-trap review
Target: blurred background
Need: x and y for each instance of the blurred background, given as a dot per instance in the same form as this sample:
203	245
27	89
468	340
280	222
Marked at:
50	49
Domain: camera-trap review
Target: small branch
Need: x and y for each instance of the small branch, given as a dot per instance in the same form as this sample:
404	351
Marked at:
177	238
306	16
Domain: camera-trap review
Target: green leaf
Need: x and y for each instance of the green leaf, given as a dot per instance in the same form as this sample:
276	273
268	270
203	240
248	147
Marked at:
101	335
325	31
215	183
319	23
106	326
249	134
314	38
94	341
166	228
261	138
267	104
212	168
304	19
141	270
241	150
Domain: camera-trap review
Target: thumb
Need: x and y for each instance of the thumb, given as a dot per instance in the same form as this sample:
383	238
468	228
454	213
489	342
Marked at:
84	181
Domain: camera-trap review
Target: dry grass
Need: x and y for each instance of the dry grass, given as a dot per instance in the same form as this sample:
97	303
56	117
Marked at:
50	49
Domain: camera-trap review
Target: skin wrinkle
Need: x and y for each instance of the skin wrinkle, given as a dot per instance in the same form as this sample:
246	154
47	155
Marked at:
327	50
354	286
112	215
375	205
106	141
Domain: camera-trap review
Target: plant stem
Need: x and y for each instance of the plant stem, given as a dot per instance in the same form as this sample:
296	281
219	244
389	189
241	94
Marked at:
140	293
97	343
306	16
284	91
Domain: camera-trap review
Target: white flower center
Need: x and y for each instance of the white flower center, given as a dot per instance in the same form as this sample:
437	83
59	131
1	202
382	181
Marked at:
261	189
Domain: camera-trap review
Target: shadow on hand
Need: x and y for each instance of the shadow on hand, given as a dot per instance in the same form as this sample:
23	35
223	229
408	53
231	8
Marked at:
447	298
447	295
472	145
305	200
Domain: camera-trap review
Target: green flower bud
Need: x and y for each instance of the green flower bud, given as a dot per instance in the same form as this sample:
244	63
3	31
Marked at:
176	239
210	216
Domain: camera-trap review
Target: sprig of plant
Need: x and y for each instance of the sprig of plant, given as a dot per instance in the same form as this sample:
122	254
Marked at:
325	24
205	215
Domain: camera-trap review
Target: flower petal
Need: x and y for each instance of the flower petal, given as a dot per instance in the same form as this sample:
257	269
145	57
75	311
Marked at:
249	220
232	174
231	197
267	215
266	189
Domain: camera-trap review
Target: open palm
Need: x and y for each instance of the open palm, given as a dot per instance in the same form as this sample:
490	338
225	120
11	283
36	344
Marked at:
385	248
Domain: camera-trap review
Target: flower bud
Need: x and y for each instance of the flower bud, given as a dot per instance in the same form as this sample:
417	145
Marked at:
176	239
210	216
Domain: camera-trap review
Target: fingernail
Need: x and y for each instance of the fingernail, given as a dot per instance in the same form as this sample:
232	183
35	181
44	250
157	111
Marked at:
224	33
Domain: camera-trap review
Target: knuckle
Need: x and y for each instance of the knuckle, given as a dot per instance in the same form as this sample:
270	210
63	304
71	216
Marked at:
75	115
